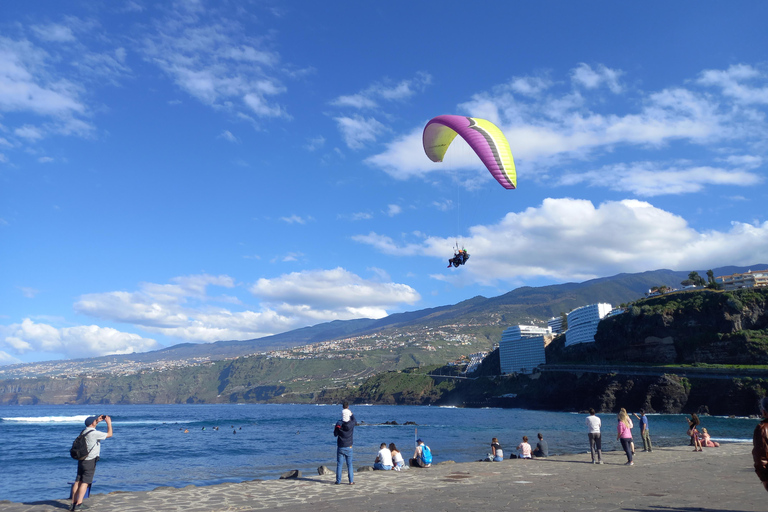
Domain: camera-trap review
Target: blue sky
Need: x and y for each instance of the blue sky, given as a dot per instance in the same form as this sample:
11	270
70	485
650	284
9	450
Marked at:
194	171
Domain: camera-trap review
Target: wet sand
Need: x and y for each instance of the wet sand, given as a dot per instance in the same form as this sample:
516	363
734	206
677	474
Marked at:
667	479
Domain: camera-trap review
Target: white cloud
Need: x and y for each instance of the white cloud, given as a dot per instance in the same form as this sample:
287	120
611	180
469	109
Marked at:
54	33
589	78
183	310
315	143
45	159
6	358
25	85
227	135
332	294
648	179
358	131
529	86
369	97
571	239
547	132
394	209
28	292
216	62
29	132
79	341
296	219
735	83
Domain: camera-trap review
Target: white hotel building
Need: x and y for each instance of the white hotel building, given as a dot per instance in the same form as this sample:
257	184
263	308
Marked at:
582	323
522	348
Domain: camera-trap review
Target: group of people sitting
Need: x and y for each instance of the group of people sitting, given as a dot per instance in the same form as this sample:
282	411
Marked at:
699	439
390	458
524	450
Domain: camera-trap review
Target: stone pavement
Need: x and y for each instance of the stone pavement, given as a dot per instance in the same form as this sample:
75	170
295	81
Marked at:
665	480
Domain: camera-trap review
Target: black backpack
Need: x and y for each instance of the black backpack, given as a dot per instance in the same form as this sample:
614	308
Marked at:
79	450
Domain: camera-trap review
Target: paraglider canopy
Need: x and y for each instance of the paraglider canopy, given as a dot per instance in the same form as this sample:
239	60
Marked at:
484	137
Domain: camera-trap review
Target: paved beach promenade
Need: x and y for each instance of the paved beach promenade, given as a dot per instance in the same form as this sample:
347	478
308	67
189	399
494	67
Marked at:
668	479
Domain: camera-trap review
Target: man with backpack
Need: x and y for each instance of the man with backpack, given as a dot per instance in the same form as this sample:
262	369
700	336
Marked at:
87	455
422	456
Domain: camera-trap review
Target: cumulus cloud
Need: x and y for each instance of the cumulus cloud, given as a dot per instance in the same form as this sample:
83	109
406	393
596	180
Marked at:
79	341
332	294
183	309
551	128
572	239
394	209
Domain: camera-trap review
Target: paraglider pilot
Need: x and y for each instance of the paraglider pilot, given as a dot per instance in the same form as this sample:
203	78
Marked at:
459	258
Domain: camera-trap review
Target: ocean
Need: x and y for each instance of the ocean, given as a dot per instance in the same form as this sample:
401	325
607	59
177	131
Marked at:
256	441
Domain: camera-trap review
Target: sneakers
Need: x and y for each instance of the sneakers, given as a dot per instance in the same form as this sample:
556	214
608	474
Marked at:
601	462
629	464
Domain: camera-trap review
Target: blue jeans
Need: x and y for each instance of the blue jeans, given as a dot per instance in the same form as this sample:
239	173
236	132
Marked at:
381	467
341	455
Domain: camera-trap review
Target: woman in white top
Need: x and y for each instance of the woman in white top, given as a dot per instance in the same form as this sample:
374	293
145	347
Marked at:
397	457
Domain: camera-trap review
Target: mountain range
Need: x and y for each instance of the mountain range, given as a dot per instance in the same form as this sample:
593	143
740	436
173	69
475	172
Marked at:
528	305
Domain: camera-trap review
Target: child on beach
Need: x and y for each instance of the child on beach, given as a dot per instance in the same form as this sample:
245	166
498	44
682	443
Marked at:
346	414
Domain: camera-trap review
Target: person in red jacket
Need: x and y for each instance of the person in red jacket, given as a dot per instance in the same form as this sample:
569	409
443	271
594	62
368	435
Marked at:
760	445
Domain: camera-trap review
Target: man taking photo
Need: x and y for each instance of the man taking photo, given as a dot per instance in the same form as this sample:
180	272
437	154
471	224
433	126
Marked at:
87	467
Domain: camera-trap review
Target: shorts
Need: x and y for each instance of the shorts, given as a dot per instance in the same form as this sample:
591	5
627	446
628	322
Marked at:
85	471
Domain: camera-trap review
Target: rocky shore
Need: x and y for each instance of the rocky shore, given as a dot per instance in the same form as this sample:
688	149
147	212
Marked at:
669	479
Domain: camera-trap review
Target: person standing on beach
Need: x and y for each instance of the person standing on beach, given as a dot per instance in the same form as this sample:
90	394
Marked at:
644	433
86	468
595	444
344	432
624	435
760	445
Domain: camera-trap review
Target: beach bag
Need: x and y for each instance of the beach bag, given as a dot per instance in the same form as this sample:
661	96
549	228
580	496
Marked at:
426	454
79	450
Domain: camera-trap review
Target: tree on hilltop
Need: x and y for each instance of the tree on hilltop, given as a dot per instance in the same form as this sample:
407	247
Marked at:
697	279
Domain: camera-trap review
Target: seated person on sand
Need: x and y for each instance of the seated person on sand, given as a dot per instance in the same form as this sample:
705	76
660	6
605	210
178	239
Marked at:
497	454
383	458
397	457
707	441
524	449
542	450
422	456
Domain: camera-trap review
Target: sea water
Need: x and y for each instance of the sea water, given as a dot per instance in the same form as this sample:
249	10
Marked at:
150	447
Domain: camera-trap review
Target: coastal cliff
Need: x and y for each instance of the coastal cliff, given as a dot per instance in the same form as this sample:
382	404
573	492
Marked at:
627	366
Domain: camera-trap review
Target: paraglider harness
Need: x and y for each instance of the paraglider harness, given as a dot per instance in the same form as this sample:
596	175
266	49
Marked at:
460	257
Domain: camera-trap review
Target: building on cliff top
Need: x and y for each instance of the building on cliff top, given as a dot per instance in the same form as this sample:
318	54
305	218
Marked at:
749	279
556	324
582	323
522	348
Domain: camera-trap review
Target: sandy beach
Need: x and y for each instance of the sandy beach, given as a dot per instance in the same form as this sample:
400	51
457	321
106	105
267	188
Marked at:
667	479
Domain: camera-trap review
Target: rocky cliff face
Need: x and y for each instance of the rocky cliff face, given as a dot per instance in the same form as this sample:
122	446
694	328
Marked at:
685	328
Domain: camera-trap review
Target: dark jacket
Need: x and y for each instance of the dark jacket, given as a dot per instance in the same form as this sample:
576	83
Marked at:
344	431
760	450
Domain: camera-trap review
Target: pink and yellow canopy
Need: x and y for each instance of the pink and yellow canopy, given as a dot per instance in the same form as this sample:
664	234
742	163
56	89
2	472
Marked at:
484	138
